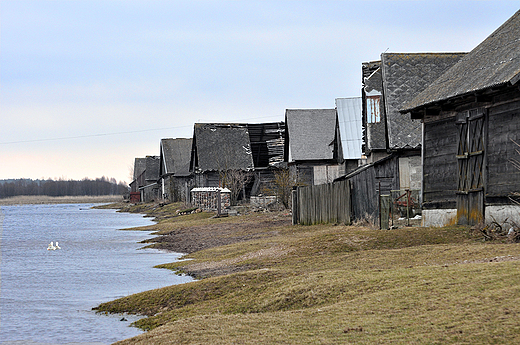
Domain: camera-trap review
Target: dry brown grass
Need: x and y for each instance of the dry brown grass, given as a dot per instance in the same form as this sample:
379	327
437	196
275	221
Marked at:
340	285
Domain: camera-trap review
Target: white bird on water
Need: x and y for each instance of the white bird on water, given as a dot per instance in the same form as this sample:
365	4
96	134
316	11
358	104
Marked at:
53	247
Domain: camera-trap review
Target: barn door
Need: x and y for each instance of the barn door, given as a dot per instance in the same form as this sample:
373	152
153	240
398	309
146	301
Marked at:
470	158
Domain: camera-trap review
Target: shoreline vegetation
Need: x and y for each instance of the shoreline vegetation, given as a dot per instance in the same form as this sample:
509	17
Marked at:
263	281
43	199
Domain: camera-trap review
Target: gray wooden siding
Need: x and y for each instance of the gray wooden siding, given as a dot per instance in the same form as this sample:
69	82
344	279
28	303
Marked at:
504	126
365	187
440	164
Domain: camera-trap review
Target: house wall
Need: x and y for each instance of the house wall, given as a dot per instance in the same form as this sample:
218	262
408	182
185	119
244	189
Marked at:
327	173
440	164
503	127
177	188
440	170
151	192
317	173
207	179
410	172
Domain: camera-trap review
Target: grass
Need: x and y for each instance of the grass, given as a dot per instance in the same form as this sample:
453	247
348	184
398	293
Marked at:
338	285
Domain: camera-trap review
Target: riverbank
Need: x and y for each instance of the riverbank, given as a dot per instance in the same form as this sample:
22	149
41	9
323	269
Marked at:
264	281
43	199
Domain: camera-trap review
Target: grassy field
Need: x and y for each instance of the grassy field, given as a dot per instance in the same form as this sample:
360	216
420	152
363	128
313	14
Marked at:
334	284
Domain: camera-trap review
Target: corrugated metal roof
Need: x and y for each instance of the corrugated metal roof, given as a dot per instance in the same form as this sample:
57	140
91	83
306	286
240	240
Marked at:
494	62
350	126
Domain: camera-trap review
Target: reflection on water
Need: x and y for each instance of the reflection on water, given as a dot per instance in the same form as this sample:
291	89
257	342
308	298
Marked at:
47	296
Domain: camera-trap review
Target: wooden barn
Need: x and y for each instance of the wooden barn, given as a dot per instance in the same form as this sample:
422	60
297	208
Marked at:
147	180
175	177
470	122
391	140
219	152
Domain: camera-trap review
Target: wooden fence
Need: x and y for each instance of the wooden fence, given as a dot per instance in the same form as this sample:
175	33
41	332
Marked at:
326	203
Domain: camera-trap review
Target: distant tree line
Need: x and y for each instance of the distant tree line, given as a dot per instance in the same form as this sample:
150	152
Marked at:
99	186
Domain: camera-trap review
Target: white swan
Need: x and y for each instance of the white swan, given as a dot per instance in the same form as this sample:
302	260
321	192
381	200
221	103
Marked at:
51	246
57	246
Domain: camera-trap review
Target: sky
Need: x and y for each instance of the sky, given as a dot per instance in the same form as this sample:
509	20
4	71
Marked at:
87	86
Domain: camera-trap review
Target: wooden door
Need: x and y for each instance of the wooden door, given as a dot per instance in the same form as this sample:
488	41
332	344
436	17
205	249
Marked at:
471	126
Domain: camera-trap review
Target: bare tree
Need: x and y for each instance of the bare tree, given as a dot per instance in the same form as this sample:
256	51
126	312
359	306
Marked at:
234	180
282	185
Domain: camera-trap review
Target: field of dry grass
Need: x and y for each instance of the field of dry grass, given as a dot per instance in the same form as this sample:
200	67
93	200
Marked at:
43	199
333	284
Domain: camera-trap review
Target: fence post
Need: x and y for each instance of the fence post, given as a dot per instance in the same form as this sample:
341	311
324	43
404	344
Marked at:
385	211
219	202
294	205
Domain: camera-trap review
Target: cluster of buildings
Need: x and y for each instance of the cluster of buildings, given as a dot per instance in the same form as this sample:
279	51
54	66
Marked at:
446	125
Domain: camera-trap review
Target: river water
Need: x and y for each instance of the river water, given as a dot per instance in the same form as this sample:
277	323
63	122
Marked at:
47	296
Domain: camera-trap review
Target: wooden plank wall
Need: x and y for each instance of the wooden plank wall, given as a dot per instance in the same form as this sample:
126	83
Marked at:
440	164
365	187
504	126
326	203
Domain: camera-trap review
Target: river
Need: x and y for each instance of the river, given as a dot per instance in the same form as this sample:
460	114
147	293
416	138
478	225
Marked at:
47	296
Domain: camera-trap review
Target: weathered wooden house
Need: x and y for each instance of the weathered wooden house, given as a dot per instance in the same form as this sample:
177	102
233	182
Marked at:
216	148
388	85
175	177
470	120
145	185
313	145
392	141
138	180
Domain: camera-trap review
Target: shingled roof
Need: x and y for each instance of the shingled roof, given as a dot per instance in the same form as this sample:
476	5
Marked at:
219	146
311	134
139	167
175	156
152	170
494	62
404	76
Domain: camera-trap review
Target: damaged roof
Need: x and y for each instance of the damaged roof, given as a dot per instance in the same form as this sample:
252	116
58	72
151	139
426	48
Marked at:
494	62
404	76
311	134
175	156
220	146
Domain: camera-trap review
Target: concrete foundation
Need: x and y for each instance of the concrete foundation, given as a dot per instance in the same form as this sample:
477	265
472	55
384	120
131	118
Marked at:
501	214
438	217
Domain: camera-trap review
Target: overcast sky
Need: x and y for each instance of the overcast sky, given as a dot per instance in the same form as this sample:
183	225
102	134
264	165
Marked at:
87	86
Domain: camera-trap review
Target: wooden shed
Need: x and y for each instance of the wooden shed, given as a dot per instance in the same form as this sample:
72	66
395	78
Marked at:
471	121
313	145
